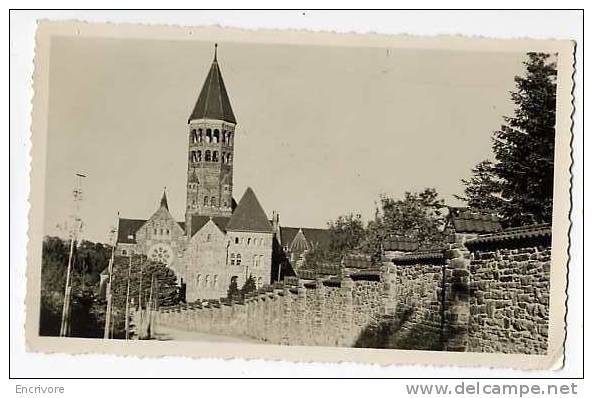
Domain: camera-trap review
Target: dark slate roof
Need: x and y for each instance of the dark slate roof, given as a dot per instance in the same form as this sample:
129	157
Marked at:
424	255
128	227
536	231
299	243
465	220
249	215
314	236
164	201
400	244
213	101
197	222
360	261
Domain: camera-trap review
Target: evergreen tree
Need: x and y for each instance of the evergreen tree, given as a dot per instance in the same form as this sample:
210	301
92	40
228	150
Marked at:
233	292
524	149
483	188
249	286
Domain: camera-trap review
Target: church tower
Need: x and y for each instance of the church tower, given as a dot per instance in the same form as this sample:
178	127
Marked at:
211	136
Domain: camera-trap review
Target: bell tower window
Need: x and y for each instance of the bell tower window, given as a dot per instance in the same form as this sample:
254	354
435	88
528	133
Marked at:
215	136
215	156
208	136
207	156
194	136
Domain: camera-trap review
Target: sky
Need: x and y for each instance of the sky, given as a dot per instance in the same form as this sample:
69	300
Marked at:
322	131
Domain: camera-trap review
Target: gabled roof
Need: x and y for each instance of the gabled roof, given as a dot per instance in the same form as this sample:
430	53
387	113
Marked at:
465	220
249	215
314	236
198	222
126	230
213	101
164	201
299	243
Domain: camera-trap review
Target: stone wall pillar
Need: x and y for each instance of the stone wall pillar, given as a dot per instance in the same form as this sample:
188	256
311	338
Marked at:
389	282
301	321
347	332
456	307
319	334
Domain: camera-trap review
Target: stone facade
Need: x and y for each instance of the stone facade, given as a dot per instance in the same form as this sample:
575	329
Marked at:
202	251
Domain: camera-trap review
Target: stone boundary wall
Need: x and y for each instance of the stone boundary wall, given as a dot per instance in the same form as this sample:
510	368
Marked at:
509	298
327	313
483	294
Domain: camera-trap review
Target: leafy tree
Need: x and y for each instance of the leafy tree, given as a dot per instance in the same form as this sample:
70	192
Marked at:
233	292
418	215
249	286
88	260
523	173
346	234
142	272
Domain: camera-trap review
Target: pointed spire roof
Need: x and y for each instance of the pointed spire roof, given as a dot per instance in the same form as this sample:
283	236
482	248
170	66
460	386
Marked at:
249	216
164	200
213	102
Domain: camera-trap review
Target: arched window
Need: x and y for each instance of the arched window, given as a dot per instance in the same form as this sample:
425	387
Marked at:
208	237
236	240
193	156
229	140
194	136
232	258
208	136
215	281
215	156
229	158
255	262
200	137
205	200
222	157
248	241
206	280
207	156
198	276
213	201
199	156
238	259
223	136
216	136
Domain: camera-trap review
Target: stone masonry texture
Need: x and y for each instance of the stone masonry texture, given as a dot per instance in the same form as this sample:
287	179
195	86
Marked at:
466	297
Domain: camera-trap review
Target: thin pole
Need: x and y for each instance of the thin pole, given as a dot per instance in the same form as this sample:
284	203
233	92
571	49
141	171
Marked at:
108	311
76	227
149	306
67	294
127	321
140	295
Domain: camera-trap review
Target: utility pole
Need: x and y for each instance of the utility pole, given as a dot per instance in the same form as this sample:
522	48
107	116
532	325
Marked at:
127	322
140	295
75	230
107	333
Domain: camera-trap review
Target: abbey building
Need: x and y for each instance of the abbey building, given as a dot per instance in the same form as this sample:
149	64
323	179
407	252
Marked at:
219	239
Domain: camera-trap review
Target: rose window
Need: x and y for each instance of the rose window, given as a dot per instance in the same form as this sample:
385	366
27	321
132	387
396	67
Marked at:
161	253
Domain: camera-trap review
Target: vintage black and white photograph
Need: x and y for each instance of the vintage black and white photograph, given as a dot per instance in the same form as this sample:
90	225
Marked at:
249	190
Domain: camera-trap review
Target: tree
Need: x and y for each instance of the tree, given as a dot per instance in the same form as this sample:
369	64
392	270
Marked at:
346	234
249	286
233	292
168	289
418	215
524	148
483	188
